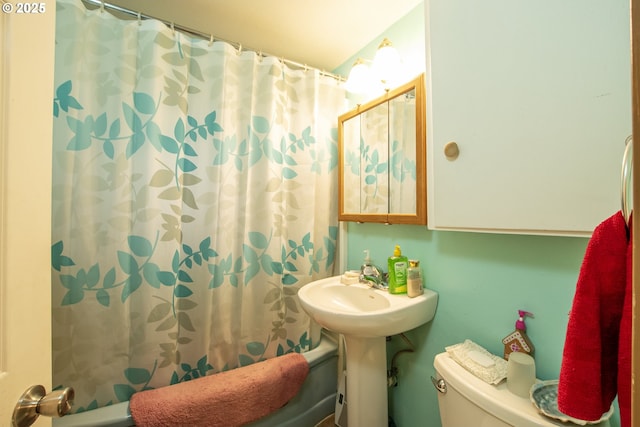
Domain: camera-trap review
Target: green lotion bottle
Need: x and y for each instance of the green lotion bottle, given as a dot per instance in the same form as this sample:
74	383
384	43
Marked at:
398	265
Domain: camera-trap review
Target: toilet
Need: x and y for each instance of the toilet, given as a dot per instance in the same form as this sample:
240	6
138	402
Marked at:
466	400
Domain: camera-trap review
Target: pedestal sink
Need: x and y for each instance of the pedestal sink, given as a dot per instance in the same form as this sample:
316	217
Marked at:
365	317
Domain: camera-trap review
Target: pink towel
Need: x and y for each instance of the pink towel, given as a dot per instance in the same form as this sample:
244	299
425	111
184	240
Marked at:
227	399
624	347
588	375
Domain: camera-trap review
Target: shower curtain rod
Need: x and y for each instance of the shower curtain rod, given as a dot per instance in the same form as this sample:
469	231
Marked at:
109	6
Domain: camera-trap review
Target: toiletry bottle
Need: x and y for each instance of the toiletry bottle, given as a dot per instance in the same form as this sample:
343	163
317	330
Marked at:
518	340
414	279
398	265
369	273
365	268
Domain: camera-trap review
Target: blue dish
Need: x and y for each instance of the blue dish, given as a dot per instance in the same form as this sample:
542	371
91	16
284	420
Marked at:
544	396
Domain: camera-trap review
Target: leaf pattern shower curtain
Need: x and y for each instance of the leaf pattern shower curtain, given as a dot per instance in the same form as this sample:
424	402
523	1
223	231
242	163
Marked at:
194	192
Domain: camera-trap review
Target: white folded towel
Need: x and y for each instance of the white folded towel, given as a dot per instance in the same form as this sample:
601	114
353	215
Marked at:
477	360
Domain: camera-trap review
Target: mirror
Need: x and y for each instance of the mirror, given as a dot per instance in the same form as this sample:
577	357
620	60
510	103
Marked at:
382	158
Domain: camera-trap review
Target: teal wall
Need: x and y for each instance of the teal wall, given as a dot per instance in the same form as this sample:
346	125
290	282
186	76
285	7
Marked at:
482	280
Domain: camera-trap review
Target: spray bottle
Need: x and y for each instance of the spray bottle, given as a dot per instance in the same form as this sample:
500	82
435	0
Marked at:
518	340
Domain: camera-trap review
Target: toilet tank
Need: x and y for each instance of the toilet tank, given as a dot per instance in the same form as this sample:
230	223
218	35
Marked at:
469	401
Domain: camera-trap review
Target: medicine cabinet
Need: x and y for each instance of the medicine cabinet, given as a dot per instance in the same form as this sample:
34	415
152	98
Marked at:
526	136
382	158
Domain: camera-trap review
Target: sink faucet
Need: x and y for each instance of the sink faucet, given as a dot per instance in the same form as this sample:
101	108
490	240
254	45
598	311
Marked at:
371	275
374	277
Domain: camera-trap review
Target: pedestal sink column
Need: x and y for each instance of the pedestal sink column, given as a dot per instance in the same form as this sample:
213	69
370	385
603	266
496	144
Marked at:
366	381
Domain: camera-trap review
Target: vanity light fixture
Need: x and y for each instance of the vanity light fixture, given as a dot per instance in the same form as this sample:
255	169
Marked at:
383	74
386	64
360	79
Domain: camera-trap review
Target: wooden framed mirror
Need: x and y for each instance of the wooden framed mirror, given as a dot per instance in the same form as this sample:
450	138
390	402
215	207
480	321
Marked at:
382	158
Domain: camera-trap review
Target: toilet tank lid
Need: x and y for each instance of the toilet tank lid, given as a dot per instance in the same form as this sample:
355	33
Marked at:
496	400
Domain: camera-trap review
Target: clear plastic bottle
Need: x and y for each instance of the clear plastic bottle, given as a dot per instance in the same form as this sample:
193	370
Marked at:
414	279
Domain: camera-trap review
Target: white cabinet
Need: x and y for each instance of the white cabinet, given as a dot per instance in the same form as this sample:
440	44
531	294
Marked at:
537	96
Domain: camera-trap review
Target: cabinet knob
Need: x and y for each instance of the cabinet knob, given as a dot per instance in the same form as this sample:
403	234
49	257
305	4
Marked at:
451	150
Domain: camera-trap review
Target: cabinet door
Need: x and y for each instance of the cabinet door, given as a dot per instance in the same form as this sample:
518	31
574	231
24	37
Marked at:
537	97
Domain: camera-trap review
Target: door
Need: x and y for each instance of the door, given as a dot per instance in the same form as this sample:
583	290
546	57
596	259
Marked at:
26	88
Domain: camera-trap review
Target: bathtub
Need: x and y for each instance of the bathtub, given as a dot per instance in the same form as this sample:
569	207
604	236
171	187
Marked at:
314	402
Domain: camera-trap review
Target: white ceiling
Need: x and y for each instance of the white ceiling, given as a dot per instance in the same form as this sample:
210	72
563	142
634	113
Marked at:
320	33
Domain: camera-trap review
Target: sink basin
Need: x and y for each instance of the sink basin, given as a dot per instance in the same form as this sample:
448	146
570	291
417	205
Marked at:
358	310
365	316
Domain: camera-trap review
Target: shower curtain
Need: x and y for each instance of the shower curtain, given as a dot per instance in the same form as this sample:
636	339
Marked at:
194	192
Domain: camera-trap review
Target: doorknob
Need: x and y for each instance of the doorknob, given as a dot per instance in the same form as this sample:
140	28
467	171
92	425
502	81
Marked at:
35	402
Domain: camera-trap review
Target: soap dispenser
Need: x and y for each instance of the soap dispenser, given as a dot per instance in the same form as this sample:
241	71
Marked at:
398	265
518	340
369	273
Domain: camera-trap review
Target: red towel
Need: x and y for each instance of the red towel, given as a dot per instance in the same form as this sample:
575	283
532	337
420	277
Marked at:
227	399
624	347
589	371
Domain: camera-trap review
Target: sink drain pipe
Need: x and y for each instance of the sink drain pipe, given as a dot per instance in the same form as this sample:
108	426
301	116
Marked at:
392	372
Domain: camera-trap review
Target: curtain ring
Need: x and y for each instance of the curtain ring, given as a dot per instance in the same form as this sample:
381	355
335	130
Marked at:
139	18
101	6
239	48
173	29
210	39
